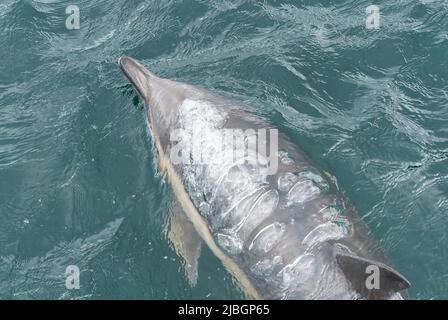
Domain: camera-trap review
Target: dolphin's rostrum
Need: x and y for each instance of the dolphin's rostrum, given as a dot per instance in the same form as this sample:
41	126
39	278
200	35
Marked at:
287	235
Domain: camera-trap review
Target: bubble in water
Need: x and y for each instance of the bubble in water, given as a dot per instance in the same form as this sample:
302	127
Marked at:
303	191
335	215
330	212
285	158
277	260
204	208
299	271
261	268
286	181
240	211
266	266
317	179
230	243
324	232
263	208
267	238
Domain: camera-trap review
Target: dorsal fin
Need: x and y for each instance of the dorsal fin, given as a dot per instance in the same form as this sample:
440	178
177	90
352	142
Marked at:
358	270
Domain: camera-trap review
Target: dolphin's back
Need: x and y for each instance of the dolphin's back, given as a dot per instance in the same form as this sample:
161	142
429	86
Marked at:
282	229
291	232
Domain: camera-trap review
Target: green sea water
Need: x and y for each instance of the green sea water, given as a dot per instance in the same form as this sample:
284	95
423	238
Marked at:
78	180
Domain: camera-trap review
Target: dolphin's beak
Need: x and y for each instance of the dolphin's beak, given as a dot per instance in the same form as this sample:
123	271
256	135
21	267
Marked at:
139	76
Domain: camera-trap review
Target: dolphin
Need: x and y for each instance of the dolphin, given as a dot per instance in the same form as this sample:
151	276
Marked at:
279	224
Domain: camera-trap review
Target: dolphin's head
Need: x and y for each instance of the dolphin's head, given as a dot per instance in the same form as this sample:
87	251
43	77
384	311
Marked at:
162	97
139	76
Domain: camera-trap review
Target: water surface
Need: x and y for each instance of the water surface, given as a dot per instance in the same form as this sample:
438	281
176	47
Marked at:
78	181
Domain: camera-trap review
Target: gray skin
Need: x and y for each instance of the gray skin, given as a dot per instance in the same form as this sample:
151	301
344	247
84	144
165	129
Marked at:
292	233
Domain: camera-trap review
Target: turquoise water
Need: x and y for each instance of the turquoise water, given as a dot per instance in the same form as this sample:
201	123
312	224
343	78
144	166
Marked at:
78	182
